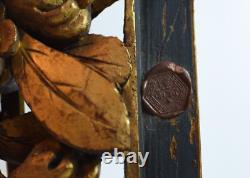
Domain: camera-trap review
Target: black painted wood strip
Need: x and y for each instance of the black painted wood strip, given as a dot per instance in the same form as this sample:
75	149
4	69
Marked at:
165	32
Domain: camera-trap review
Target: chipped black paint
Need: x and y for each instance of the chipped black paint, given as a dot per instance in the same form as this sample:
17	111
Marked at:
165	31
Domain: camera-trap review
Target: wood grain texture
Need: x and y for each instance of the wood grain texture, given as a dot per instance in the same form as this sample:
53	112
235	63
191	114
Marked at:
130	89
165	32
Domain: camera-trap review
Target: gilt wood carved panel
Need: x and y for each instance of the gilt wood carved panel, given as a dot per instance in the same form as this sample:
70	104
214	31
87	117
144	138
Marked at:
81	88
86	91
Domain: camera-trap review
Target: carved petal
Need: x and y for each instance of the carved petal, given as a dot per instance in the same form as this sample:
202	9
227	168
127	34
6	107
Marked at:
18	136
74	102
107	55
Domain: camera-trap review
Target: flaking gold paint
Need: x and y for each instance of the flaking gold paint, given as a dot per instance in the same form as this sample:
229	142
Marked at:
198	161
174	123
164	19
130	89
173	148
192	132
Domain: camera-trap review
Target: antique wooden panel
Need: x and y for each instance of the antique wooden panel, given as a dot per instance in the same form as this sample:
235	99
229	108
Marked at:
165	32
154	31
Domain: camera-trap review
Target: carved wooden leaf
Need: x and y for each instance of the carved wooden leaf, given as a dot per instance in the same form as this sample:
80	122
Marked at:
18	136
78	105
107	55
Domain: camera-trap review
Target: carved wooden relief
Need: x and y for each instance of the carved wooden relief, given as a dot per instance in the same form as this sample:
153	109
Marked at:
77	85
89	93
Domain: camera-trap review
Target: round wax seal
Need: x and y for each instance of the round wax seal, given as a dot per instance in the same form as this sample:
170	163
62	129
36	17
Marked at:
167	90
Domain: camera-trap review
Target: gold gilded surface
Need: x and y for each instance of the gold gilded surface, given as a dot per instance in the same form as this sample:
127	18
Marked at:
85	3
46	160
64	21
8	38
107	55
18	136
77	104
80	87
130	89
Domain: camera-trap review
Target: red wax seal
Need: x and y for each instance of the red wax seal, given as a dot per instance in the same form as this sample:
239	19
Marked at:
167	90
